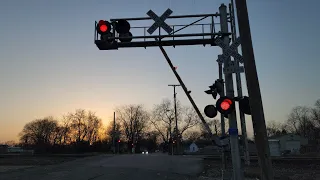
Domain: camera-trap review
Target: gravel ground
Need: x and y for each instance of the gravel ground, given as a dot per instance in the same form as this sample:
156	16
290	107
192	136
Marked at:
289	170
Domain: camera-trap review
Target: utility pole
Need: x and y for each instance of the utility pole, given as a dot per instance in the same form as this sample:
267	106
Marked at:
114	132
234	142
175	113
258	119
244	136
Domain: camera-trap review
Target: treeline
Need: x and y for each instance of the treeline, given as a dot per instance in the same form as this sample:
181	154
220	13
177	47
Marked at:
302	120
136	126
83	131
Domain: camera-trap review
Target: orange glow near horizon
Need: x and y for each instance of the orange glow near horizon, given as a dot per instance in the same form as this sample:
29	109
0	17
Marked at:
9	130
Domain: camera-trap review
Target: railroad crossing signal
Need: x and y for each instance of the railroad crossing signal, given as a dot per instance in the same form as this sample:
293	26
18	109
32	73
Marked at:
229	50
216	88
244	105
103	27
225	105
232	67
122	27
159	21
210	111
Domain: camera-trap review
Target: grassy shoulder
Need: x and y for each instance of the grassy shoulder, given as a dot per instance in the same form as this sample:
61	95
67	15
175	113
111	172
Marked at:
39	160
289	170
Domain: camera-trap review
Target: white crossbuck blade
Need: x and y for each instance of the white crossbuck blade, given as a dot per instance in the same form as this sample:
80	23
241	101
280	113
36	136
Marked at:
229	50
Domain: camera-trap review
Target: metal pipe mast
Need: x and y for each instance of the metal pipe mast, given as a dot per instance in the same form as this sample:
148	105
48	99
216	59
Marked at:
244	136
234	142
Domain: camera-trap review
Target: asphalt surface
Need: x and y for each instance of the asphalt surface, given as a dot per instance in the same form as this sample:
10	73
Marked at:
120	167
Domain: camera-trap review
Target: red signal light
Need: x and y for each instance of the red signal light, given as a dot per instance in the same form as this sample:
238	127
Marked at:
118	140
103	28
226	104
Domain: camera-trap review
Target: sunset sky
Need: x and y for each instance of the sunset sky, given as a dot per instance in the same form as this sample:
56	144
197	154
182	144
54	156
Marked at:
49	64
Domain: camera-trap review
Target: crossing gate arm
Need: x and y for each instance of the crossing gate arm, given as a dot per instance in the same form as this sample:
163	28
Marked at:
215	139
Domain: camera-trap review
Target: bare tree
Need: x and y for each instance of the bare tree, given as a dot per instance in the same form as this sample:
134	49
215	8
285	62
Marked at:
93	124
193	135
10	143
66	129
215	126
57	135
39	132
299	120
163	118
134	120
83	126
315	114
116	133
78	126
188	119
275	128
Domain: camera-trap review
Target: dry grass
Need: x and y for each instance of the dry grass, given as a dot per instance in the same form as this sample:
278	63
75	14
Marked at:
32	160
16	162
284	170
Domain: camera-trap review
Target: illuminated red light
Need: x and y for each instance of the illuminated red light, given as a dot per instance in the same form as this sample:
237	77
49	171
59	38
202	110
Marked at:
103	28
226	104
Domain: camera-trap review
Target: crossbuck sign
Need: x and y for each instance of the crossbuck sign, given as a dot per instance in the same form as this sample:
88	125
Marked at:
229	50
159	21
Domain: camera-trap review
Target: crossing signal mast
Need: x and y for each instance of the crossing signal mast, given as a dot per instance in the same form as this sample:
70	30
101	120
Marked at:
121	37
207	34
116	34
225	105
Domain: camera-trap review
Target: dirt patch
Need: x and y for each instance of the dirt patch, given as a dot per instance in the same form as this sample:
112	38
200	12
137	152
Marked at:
287	170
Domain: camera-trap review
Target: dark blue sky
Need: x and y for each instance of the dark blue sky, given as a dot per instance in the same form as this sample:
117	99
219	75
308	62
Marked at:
50	65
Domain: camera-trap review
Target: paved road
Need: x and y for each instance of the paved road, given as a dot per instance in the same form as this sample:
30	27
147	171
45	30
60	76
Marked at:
122	167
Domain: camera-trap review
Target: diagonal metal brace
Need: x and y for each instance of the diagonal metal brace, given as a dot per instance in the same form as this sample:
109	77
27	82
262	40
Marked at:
215	138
